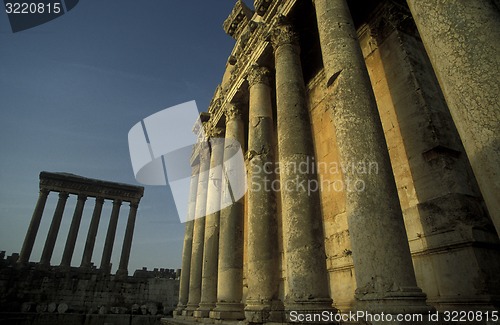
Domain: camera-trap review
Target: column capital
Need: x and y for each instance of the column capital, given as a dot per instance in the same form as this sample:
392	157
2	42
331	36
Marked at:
258	75
134	204
216	132
117	202
233	111
82	197
63	195
44	191
283	33
99	200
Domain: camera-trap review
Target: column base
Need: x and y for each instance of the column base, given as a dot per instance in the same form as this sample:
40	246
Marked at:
408	301
258	312
229	311
204	310
189	310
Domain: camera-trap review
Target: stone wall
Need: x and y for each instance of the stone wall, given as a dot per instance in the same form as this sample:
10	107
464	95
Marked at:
31	293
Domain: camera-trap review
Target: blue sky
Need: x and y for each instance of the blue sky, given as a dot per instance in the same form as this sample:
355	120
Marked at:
71	89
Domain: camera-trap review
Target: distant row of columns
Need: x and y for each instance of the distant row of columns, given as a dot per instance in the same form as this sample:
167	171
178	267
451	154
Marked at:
69	247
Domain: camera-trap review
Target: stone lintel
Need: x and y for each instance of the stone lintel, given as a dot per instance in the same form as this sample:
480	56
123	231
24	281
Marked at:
261	6
74	184
237	20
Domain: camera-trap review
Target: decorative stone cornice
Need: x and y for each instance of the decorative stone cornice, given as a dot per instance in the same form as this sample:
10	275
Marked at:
258	75
238	19
261	6
65	184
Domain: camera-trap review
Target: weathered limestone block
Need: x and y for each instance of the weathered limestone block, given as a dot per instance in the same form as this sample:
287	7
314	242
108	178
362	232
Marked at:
462	39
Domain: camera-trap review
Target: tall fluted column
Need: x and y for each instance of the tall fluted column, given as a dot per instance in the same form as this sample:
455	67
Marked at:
188	243
29	240
69	248
198	232
262	240
211	238
50	242
462	39
230	266
306	272
110	237
127	240
384	271
91	235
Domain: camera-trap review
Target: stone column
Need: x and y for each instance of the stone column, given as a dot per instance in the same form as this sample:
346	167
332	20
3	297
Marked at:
262	240
383	266
305	256
50	242
110	237
462	39
211	237
29	240
127	240
230	266
69	248
91	235
198	232
188	243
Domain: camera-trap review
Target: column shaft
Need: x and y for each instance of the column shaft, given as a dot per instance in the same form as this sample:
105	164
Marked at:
384	271
188	243
262	240
230	266
91	235
29	240
69	248
50	242
306	272
110	237
198	233
211	237
127	240
462	39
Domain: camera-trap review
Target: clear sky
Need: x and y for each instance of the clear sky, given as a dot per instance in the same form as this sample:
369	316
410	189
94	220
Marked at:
71	89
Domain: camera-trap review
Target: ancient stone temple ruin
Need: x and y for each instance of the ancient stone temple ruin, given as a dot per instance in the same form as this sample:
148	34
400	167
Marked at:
44	293
371	132
84	188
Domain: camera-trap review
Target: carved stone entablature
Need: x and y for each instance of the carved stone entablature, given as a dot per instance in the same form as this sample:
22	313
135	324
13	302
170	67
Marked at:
261	6
258	75
83	186
238	19
216	100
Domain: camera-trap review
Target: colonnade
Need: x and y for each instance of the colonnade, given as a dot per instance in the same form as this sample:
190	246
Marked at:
214	244
83	188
